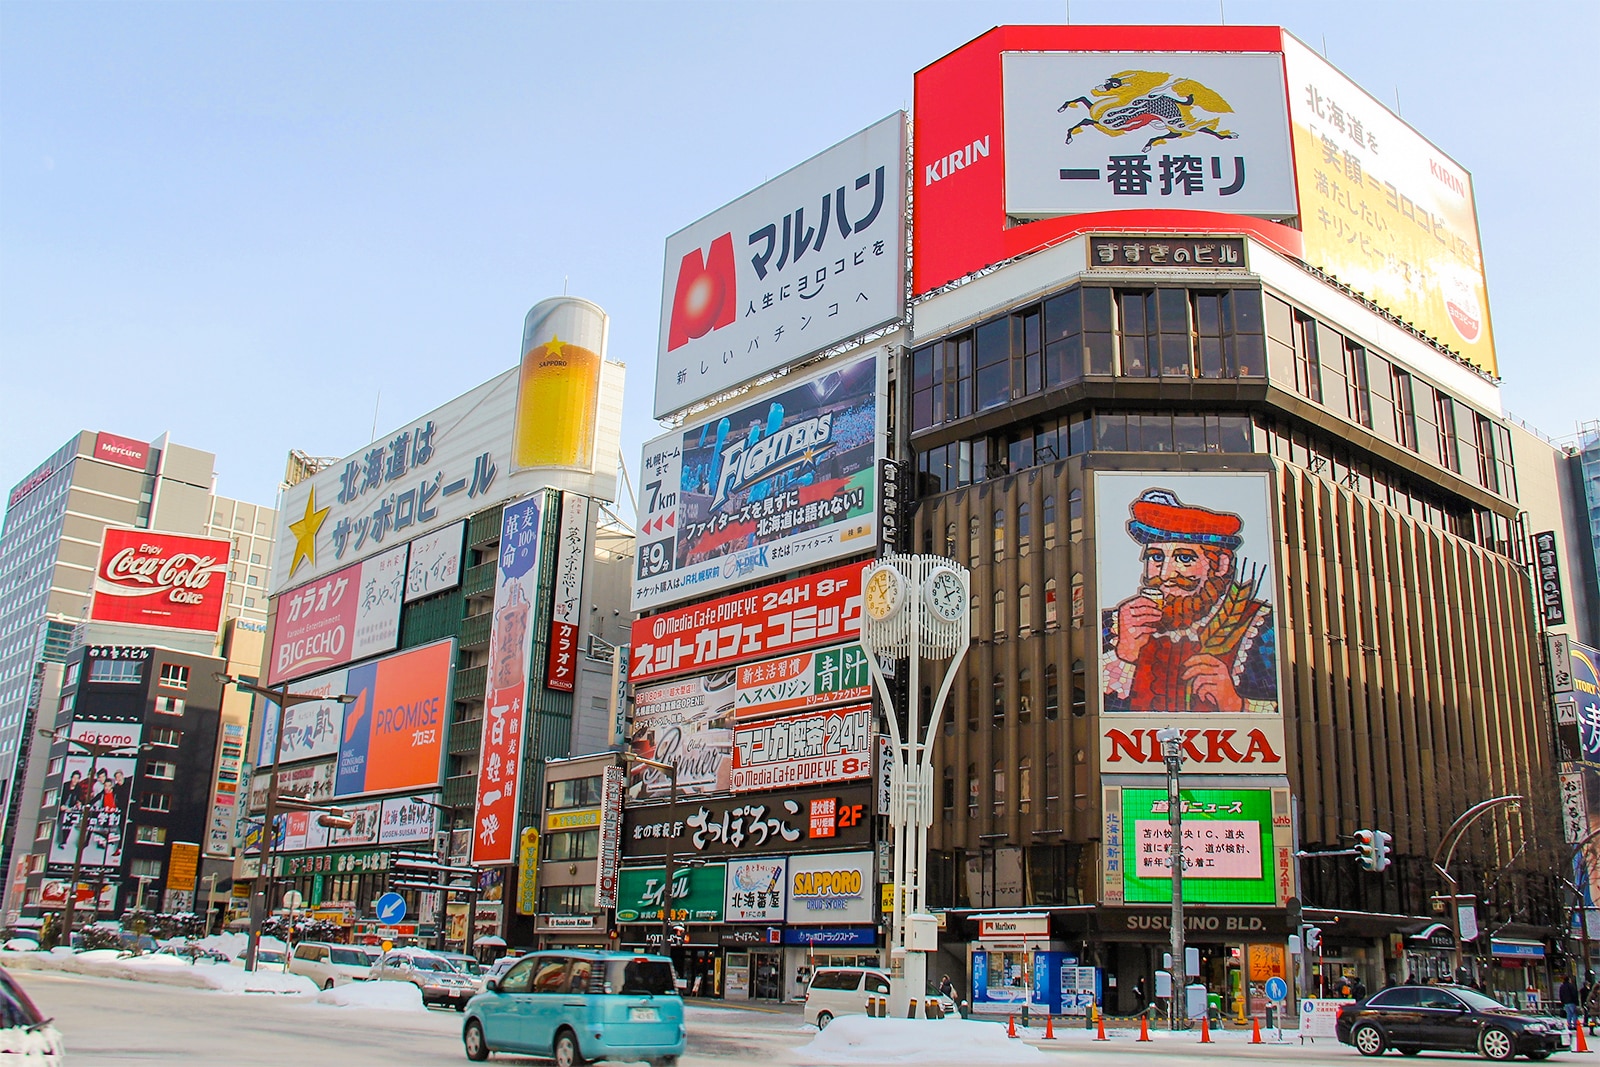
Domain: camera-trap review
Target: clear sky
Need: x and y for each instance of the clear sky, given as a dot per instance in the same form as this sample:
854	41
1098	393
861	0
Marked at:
241	222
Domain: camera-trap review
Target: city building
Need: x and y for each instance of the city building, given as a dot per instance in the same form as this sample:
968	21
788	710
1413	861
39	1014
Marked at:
54	528
1210	407
579	835
456	578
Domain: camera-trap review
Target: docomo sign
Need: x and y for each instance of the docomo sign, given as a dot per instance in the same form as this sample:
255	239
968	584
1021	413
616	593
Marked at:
787	617
105	734
158	579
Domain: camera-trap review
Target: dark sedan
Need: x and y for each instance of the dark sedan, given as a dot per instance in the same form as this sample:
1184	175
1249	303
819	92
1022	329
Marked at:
1410	1018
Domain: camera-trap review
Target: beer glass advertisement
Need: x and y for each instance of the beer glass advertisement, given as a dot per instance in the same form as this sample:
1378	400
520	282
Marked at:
516	590
94	798
1233	851
1187	585
784	482
158	579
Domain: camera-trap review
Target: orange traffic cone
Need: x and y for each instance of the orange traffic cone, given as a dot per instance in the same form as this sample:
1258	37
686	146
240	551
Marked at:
1144	1028
1049	1027
1100	1026
1582	1046
1205	1029
1011	1026
1255	1032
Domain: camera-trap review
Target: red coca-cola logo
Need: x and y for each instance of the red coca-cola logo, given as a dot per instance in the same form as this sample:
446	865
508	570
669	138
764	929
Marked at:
181	575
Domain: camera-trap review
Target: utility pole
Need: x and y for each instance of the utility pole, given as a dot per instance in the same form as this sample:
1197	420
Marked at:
1172	755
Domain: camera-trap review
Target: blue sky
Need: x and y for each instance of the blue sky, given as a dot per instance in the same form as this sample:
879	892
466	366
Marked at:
241	222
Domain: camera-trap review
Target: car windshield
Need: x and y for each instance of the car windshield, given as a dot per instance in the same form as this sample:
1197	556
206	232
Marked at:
467	964
428	963
15	1007
1477	1001
641	977
349	957
264	955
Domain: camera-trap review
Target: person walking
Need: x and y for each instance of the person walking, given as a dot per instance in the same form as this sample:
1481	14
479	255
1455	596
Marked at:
1567	995
947	987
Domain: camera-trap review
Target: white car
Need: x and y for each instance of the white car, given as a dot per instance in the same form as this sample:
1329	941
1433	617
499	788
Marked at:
330	965
433	975
25	1035
836	991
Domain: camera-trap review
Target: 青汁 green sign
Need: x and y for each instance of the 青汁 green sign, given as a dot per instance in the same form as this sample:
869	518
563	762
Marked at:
697	894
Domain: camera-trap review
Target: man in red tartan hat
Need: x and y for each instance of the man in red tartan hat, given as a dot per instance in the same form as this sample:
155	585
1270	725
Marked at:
1195	637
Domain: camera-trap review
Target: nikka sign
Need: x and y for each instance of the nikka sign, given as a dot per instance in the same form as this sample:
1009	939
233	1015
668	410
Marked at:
157	579
1237	744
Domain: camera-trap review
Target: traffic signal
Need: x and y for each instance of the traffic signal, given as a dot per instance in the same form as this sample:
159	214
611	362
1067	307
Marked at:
1313	939
1380	849
1365	854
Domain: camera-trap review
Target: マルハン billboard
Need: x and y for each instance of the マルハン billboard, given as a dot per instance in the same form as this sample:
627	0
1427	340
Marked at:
790	616
147	578
812	258
457	460
1109	131
783	482
1385	211
348	615
1187	583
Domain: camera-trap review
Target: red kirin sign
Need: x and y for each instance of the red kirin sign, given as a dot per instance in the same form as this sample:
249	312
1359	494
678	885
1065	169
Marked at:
160	579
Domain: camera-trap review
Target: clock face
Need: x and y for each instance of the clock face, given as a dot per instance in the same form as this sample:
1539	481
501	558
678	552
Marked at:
946	598
884	592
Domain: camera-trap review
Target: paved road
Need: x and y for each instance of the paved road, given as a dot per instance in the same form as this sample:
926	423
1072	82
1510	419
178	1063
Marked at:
130	1024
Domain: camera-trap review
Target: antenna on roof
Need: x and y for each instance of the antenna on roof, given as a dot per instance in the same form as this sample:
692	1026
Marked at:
375	404
1397	101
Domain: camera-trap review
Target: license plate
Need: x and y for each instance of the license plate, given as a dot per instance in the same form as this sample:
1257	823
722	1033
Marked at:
455	992
644	1015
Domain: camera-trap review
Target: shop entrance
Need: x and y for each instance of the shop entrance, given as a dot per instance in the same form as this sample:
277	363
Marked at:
766	976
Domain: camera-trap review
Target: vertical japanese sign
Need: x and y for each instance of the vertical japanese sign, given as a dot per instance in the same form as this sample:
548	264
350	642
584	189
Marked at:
813	257
528	872
225	805
183	867
572	550
612	781
510	654
1384	210
1552	604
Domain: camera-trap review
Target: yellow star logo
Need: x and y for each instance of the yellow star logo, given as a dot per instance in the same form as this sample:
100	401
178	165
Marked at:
554	346
305	533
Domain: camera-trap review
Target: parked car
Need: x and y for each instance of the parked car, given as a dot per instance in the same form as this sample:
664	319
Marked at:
435	976
1447	1018
25	1035
465	964
503	964
329	965
836	991
265	957
580	1006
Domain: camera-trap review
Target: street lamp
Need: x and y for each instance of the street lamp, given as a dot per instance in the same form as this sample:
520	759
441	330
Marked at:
668	871
285	700
94	750
1172	755
1441	863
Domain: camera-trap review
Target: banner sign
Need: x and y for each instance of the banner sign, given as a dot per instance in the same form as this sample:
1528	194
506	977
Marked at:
756	891
784	482
95	798
1552	603
516	591
1236	850
226	797
435	562
183	866
366	820
1584	675
312	781
123	451
166	580
53	895
697	894
405	819
790	616
801	750
612	781
892	491
831	888
837	817
349	615
572	549
528	872
1180	130
814	257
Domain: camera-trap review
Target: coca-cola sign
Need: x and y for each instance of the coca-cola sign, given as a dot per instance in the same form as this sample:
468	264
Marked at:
160	579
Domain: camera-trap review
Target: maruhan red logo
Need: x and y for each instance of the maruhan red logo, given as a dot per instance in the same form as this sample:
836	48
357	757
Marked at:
706	295
181	576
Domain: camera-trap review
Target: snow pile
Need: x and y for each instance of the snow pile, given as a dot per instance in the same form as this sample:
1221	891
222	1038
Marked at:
21	944
157	959
858	1039
162	969
387	996
235	980
41	1045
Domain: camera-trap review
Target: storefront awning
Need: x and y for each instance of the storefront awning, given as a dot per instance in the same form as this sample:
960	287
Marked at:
1507	947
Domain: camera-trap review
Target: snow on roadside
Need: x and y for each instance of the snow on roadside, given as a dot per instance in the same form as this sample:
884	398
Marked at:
162	969
858	1040
385	996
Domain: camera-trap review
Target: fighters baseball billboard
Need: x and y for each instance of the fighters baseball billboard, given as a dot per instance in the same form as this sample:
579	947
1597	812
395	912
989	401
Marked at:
784	482
158	579
1187	582
812	258
1108	131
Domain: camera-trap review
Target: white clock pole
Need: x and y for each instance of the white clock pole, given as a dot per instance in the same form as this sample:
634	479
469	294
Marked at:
913	606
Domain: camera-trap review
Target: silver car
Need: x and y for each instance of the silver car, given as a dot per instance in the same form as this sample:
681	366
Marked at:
433	975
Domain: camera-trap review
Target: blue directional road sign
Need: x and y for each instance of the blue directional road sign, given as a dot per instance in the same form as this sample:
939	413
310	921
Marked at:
391	908
1277	989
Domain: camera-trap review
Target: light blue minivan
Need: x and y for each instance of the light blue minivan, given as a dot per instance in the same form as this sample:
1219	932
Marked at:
580	1006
